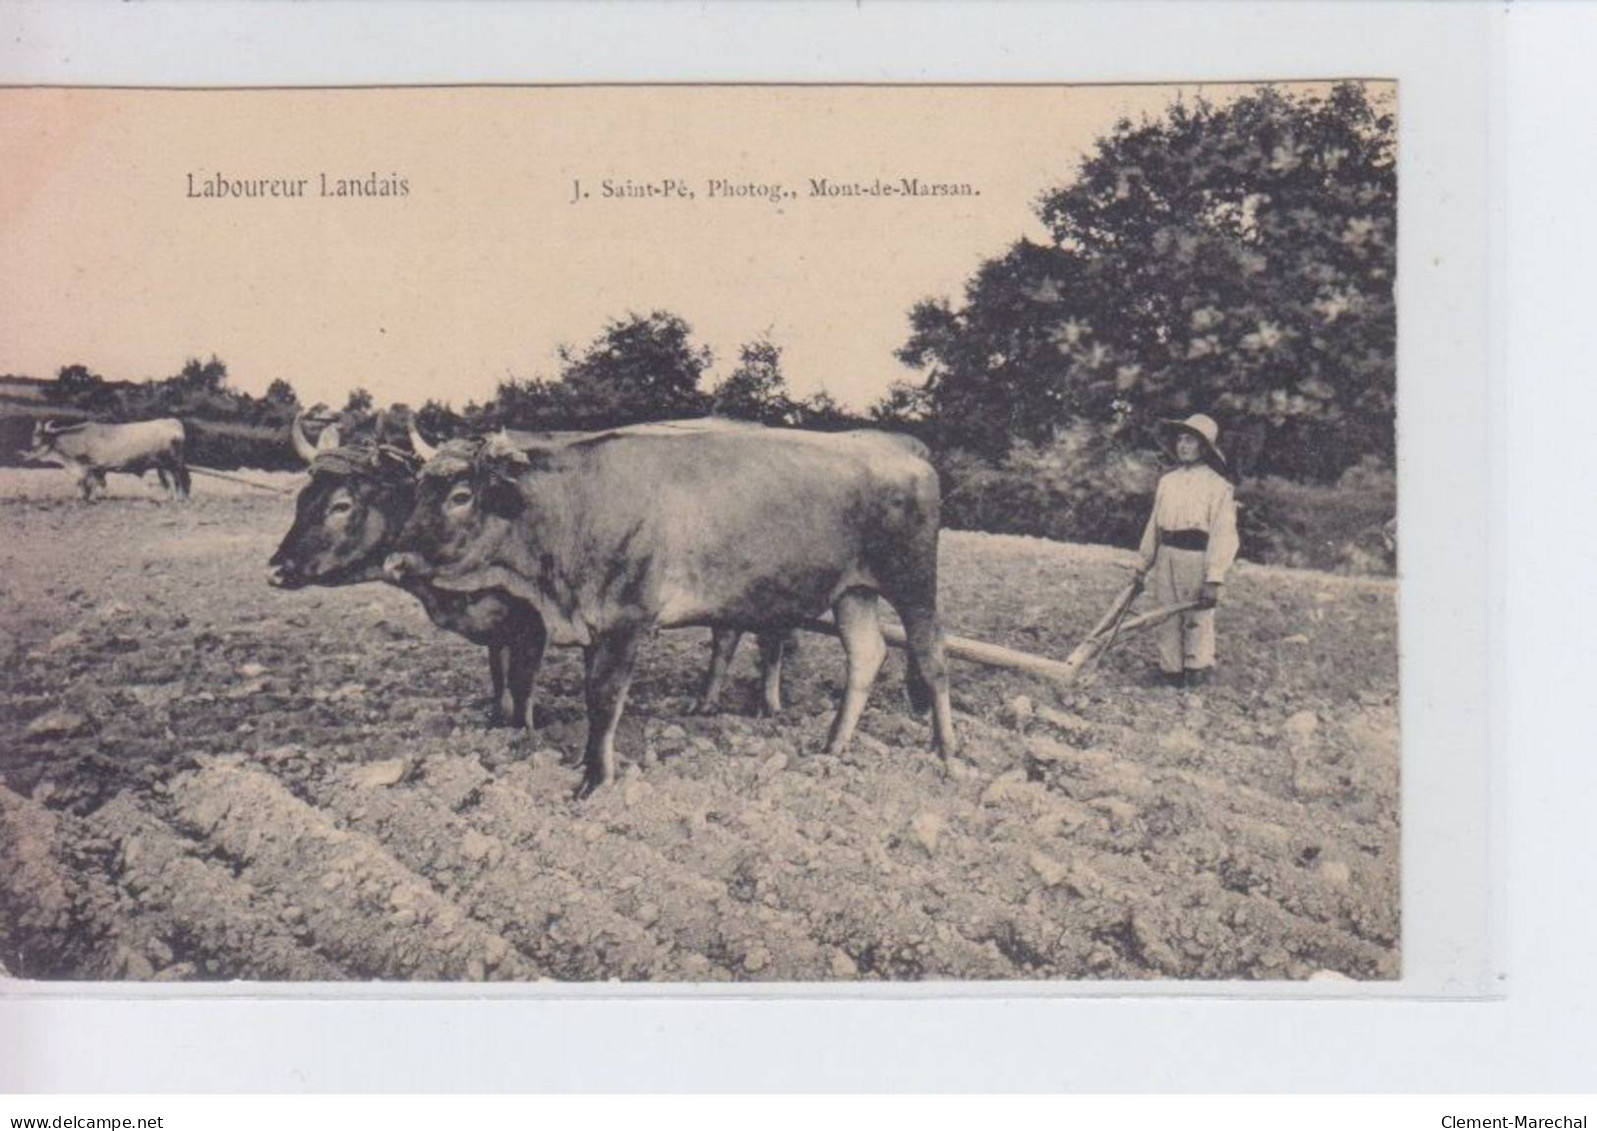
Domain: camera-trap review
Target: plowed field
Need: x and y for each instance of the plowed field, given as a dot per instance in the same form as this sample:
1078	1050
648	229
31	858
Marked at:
205	778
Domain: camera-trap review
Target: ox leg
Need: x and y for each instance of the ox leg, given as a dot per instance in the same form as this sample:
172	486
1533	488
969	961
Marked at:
928	673
607	670
166	484
526	657
173	469
723	644
855	612
773	645
499	706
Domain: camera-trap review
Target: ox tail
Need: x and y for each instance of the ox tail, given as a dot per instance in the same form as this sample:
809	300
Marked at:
921	693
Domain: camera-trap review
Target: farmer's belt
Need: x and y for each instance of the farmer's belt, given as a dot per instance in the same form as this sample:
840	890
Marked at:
1185	539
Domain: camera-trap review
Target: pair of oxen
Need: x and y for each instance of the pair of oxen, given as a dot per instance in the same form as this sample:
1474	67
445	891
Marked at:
598	539
91	448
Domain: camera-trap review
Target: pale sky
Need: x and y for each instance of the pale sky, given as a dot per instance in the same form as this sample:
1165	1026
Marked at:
487	266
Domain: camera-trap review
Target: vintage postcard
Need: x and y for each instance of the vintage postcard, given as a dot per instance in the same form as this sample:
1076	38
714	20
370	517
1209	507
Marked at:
390	475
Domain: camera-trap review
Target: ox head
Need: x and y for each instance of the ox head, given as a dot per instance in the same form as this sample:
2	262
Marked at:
43	449
467	496
347	517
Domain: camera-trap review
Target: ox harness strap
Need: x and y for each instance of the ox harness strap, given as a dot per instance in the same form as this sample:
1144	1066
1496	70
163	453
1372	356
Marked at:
453	458
381	462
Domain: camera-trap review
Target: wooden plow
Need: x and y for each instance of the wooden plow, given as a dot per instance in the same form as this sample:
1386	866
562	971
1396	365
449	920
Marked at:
1111	626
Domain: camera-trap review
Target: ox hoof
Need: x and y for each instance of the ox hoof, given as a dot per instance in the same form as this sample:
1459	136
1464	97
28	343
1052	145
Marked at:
823	763
702	707
590	784
500	720
958	769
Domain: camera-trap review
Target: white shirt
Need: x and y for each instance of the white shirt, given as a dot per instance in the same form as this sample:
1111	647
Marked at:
1195	497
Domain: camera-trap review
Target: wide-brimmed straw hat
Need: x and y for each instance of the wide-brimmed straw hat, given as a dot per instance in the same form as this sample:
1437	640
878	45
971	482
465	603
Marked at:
1205	429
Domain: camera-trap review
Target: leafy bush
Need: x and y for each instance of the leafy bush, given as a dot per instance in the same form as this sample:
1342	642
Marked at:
1082	487
1087	488
228	446
1340	528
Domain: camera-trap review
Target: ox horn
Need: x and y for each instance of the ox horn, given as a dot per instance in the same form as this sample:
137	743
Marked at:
302	446
421	447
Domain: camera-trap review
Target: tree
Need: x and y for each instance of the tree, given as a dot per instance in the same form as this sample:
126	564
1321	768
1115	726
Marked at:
640	368
905	405
75	379
1237	259
994	371
534	404
203	377
438	421
821	412
280	394
78	385
359	402
756	389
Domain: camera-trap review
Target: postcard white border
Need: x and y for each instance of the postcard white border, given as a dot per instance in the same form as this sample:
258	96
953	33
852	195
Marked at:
1019	1036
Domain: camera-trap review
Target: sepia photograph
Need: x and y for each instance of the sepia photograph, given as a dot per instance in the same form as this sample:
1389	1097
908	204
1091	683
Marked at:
701	535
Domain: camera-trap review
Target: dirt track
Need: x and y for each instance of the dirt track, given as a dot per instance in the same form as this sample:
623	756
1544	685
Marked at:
205	778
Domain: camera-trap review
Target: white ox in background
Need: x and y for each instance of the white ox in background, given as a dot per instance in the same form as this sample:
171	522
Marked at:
92	449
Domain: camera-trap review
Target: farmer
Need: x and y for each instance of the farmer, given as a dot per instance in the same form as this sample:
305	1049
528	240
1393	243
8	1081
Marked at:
1190	543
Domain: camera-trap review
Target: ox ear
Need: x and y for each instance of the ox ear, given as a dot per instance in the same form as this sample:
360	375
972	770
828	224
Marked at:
499	466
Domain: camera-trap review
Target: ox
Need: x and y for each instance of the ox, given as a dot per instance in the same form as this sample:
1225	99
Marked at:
757	529
774	646
346	520
92	449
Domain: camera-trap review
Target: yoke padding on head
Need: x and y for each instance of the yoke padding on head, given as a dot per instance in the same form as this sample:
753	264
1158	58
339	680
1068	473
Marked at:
365	462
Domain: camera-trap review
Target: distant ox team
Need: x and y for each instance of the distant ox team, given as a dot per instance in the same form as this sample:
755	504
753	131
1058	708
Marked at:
92	449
